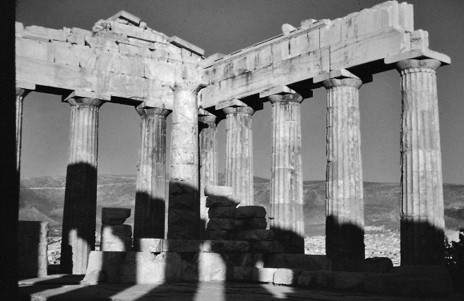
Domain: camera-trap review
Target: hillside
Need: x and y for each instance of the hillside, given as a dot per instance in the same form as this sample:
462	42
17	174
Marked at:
42	199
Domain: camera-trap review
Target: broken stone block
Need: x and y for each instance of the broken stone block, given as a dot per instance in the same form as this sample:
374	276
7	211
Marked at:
224	246
32	248
251	260
266	247
216	234
306	279
250	223
219	212
303	261
221	224
255	235
265	275
287	276
376	265
250	211
214	190
220	201
349	281
154	245
103	267
116	238
243	273
115	216
211	267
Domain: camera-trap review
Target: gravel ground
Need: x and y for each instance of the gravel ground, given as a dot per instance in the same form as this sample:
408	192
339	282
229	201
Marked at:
378	244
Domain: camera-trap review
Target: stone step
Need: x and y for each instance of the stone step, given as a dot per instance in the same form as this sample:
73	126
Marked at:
407	281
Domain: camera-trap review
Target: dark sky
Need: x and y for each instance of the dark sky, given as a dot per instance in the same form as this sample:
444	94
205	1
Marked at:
225	26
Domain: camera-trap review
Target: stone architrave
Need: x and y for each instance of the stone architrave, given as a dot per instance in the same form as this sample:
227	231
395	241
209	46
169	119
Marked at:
20	94
184	201
287	219
422	209
80	203
239	153
208	160
344	180
150	198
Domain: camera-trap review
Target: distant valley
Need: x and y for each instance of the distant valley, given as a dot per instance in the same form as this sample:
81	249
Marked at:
42	199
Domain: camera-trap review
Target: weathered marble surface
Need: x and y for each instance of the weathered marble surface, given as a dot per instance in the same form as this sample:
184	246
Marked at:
32	249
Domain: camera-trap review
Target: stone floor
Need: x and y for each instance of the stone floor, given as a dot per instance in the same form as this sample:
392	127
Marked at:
66	287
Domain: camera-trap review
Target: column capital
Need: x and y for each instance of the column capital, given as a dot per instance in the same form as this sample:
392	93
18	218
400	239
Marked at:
207	119
344	82
238	110
188	86
85	102
22	92
285	98
417	65
145	111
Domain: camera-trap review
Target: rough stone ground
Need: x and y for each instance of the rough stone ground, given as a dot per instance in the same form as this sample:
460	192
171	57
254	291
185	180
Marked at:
378	244
67	288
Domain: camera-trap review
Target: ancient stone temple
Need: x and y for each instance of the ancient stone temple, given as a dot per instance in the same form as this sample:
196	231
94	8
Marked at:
122	60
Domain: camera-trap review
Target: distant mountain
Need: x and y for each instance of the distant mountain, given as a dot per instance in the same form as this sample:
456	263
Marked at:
42	199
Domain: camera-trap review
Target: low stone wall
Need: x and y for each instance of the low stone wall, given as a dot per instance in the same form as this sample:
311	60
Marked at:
32	248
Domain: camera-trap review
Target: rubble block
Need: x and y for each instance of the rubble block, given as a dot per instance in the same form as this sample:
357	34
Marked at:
115	216
266	247
213	267
220	201
250	223
243	273
294	261
215	190
265	275
255	235
216	234
287	276
250	211
376	265
251	260
154	245
145	268
103	267
133	267
221	224
116	238
221	212
32	248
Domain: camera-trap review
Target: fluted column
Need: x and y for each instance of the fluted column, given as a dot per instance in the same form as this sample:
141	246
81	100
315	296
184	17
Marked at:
208	160
20	94
150	198
344	180
80	203
287	219
239	153
184	201
422	221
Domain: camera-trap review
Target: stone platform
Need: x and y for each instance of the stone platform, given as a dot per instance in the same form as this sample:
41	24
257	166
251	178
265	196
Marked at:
67	287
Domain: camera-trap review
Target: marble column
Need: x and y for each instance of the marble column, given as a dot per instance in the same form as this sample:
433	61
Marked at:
422	211
20	94
344	180
150	198
287	219
208	160
184	201
80	203
239	153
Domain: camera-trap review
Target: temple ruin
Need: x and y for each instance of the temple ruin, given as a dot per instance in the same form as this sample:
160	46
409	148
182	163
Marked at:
122	60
